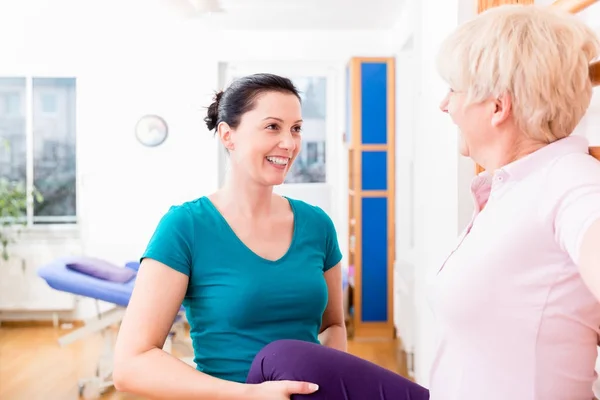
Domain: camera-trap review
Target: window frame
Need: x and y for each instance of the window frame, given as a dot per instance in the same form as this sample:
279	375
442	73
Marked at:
71	224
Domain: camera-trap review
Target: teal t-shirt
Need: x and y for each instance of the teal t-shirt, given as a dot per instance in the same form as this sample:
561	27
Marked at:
236	301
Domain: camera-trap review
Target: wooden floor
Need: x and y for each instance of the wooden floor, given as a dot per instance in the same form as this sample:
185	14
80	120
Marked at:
34	367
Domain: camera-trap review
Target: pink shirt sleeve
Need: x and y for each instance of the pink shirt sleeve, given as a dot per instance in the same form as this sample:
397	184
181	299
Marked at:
573	197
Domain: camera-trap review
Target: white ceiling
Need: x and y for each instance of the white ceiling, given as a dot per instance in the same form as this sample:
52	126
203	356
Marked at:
311	14
294	14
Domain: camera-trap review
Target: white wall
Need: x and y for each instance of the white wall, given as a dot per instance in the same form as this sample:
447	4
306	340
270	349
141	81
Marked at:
130	61
590	123
434	203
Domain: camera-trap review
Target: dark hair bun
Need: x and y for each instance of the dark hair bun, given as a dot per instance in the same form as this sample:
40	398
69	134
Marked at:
212	115
240	97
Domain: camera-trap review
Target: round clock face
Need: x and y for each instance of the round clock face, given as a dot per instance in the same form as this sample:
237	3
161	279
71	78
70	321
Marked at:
151	130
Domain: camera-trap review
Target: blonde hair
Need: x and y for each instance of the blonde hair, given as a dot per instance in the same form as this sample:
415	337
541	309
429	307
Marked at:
536	54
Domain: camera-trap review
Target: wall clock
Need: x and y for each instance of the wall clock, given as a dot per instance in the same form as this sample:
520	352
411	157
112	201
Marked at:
151	130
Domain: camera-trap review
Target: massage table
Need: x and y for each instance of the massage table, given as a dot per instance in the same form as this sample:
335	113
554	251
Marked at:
114	285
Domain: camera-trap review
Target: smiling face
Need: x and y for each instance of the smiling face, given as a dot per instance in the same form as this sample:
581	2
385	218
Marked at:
267	140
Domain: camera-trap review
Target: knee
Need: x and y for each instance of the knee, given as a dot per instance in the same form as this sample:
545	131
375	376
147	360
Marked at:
284	346
288	352
273	361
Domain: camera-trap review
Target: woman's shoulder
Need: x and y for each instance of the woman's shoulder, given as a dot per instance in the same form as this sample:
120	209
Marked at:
574	170
190	211
309	211
305	207
569	177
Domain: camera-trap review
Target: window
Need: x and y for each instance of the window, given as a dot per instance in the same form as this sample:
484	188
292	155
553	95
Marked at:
11	103
310	165
37	127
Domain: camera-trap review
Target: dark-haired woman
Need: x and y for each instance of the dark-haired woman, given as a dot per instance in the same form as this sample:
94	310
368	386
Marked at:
253	269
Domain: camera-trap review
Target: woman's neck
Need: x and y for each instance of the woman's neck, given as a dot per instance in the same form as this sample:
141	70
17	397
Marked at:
505	153
246	198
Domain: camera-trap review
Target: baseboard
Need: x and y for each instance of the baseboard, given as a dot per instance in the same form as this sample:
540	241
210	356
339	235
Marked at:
36	323
405	361
51	316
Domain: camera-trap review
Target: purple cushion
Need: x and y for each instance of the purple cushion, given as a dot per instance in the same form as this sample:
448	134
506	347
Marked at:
100	269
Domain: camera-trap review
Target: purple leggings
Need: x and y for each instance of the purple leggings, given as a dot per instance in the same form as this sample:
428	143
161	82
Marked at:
340	376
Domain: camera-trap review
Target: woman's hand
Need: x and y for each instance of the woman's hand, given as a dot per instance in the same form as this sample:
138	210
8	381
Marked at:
281	390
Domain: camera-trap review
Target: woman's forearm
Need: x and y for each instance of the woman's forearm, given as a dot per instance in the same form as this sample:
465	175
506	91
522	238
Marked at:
157	374
335	336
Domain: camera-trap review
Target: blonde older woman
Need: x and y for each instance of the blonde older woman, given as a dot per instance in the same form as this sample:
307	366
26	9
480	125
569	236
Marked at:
517	300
